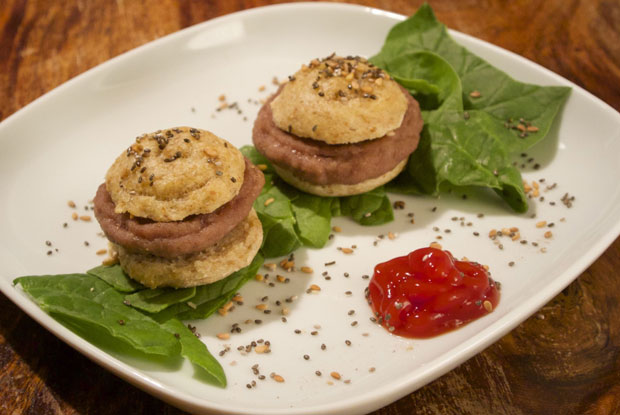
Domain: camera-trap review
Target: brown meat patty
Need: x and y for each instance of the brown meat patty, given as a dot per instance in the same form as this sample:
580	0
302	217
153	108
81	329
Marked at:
172	239
323	164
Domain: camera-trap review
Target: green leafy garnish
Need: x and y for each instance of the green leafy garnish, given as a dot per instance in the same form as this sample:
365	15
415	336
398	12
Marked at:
196	352
116	278
147	321
210	297
91	301
292	218
476	116
157	299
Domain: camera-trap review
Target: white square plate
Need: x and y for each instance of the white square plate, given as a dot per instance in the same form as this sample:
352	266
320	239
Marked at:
59	147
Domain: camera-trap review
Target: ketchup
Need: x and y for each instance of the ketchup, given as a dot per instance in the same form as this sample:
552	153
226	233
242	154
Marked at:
428	292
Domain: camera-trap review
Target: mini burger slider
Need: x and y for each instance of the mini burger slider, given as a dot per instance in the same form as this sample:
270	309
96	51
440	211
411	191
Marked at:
338	127
177	208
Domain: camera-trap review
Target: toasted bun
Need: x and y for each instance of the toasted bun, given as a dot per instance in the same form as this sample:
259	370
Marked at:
339	101
340	189
171	174
235	251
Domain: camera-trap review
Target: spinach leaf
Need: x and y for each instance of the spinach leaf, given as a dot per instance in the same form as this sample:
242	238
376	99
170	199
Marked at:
410	68
210	297
153	300
292	218
115	276
313	217
475	122
196	352
370	208
90	301
274	209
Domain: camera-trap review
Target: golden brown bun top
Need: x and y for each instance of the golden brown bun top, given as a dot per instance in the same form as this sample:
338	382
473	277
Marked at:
171	174
339	100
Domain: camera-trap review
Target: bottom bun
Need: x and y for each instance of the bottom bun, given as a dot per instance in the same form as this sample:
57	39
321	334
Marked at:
235	251
337	189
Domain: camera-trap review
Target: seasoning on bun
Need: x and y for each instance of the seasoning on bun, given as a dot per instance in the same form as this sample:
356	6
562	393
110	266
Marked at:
338	127
177	208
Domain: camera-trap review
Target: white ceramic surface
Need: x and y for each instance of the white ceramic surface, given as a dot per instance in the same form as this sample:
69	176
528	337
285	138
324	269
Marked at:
59	147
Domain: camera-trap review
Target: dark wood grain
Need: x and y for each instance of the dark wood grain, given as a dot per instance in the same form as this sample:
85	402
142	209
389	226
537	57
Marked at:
563	360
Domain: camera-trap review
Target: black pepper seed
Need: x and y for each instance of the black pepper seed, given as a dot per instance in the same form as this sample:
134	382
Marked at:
306	357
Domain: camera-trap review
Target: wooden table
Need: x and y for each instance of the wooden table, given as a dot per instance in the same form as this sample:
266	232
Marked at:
564	360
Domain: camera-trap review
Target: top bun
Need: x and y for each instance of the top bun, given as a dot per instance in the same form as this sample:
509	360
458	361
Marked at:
171	174
339	101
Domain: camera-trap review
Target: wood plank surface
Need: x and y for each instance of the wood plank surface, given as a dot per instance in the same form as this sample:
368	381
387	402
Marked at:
563	360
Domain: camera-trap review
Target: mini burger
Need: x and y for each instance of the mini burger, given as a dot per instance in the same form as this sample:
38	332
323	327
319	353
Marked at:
177	208
338	127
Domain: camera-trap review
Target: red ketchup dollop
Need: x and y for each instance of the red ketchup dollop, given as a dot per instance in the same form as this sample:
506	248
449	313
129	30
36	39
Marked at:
428	292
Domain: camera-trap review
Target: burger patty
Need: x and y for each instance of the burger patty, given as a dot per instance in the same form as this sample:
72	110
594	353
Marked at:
320	163
172	239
